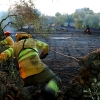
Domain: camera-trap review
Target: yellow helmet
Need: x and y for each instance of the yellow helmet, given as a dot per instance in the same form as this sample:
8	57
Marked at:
22	35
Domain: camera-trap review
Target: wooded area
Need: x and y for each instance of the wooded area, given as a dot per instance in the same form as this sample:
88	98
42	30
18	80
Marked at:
68	42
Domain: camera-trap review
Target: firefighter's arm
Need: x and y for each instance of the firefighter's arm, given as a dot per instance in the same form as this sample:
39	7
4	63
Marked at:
45	49
1	44
4	41
3	57
6	54
10	41
44	52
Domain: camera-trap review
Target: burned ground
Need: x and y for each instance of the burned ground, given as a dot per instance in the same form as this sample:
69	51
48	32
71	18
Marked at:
64	46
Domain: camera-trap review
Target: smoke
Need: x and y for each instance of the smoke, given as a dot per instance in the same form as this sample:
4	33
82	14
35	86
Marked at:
9	27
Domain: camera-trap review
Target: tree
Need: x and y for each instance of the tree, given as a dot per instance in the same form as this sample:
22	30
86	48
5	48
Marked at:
58	14
82	18
3	25
26	14
59	20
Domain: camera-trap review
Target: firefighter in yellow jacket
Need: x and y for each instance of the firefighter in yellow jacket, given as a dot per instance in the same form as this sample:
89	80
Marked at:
8	41
32	69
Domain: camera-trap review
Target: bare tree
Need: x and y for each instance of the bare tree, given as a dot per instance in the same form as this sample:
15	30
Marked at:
26	14
2	26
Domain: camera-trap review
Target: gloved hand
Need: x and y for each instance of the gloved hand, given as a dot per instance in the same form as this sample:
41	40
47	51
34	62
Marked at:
42	55
3	57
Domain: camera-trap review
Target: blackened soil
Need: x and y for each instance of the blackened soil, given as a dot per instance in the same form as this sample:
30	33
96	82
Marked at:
64	45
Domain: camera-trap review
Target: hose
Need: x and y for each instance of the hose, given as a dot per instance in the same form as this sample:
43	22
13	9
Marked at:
65	55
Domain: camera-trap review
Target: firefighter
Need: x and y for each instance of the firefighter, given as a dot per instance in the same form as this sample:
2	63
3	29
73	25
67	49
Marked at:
32	69
87	30
8	41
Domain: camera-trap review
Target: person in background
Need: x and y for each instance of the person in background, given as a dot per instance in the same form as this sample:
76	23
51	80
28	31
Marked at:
87	30
32	69
8	41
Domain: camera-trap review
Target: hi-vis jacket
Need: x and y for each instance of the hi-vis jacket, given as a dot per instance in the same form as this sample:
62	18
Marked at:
27	53
8	41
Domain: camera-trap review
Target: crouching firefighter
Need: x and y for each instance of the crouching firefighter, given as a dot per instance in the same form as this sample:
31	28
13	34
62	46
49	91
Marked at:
5	44
32	69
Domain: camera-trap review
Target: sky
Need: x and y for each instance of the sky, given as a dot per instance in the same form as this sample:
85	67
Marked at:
50	7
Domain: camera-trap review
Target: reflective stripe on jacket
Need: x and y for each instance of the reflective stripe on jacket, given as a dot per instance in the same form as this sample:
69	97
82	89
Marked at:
26	53
10	52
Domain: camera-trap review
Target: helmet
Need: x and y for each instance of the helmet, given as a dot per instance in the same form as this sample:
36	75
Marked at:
7	33
22	35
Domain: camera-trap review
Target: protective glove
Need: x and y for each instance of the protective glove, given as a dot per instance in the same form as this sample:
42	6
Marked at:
3	57
42	55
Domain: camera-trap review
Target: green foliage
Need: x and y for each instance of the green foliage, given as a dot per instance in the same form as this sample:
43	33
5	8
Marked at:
93	91
26	14
58	14
61	19
83	17
92	20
